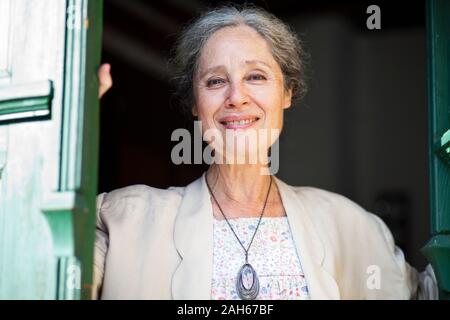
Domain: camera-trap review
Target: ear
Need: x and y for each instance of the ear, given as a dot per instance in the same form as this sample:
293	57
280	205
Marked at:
194	111
287	99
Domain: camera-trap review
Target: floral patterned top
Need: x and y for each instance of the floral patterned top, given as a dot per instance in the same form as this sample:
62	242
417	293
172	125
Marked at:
272	254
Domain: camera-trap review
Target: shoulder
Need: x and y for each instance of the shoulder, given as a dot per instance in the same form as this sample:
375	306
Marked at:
337	216
330	205
139	193
138	200
356	242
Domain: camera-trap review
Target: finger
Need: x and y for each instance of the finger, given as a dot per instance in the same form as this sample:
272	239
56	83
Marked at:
105	79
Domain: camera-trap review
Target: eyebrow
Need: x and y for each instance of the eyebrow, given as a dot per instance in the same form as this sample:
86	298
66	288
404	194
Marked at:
248	62
258	62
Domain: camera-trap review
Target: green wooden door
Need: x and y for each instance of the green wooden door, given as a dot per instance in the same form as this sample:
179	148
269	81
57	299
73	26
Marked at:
49	55
438	248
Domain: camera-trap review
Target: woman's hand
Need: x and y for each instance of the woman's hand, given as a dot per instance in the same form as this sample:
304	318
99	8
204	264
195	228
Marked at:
105	79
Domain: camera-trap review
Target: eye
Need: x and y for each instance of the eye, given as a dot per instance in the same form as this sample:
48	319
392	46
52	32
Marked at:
256	77
215	82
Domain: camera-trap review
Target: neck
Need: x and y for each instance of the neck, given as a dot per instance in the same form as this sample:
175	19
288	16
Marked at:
238	183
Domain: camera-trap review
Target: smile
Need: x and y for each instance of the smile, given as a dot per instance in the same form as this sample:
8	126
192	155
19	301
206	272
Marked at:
238	123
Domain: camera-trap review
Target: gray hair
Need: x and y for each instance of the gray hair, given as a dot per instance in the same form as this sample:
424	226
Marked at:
286	47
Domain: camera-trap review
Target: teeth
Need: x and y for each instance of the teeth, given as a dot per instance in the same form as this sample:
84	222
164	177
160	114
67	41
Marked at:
240	123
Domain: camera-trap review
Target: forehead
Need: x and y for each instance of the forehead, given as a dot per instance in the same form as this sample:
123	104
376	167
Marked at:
237	44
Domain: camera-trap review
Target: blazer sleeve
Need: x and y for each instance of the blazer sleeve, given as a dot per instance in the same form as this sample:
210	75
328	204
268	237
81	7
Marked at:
423	285
100	249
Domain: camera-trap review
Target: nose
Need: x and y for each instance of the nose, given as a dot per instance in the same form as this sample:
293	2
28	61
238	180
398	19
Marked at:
237	96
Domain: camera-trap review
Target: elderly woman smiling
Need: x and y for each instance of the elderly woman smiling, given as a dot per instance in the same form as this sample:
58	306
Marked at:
236	233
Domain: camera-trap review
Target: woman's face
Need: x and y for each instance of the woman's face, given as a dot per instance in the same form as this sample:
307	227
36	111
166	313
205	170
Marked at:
239	86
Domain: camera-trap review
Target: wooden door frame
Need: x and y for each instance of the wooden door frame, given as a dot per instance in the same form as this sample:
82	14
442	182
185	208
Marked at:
70	210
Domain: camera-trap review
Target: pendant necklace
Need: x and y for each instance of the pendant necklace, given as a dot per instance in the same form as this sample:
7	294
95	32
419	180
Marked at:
247	282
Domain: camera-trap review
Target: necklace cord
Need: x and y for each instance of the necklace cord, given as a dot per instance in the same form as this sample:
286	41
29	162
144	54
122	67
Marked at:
229	224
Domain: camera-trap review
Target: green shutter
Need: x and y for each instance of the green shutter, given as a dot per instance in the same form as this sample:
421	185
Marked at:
49	56
437	250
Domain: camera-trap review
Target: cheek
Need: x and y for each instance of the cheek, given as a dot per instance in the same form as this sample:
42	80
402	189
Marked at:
276	121
207	120
208	104
205	115
209	99
271	101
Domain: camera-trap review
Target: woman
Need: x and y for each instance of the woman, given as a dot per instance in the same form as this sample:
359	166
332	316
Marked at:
236	232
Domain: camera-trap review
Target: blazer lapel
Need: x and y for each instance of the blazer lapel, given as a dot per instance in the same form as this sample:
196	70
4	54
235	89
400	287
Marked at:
193	237
310	248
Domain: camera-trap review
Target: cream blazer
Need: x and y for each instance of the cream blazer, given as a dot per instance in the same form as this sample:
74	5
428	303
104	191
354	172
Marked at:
158	244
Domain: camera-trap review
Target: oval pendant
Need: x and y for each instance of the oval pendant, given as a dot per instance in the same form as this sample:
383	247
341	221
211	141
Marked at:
247	283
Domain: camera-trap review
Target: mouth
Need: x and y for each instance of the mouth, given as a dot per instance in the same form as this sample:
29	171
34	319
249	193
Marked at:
238	123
